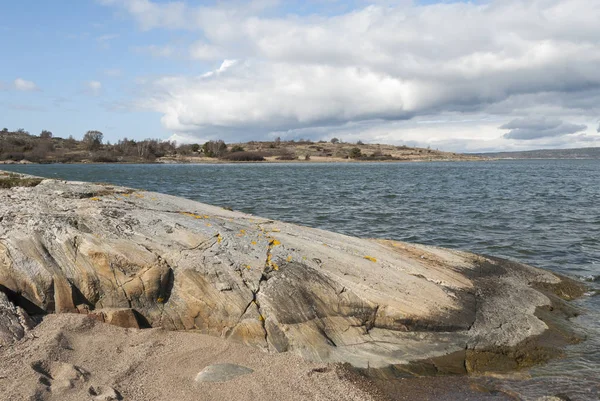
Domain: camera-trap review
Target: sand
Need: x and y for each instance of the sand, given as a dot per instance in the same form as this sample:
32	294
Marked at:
72	358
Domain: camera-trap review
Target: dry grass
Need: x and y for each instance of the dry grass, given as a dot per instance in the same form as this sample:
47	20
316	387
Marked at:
11	180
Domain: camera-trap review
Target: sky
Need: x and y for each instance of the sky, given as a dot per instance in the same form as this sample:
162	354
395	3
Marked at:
459	76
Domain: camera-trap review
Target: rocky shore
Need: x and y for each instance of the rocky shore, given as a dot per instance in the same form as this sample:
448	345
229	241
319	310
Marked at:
144	260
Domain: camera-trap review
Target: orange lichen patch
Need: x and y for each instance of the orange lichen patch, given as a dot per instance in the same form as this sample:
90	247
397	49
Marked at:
242	232
138	195
275	230
270	263
371	258
274	242
94	199
253	242
125	195
219	238
153	198
248	267
325	245
289	258
196	216
208	225
160	300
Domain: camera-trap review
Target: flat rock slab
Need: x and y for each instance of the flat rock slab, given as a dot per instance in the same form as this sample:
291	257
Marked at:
162	261
222	372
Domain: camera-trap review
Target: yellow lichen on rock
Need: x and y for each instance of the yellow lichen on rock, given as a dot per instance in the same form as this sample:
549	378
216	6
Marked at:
371	258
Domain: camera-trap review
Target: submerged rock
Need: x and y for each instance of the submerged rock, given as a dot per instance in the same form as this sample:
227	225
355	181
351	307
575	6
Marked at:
183	265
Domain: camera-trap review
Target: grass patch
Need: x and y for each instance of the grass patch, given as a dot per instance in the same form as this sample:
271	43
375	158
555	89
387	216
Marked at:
15	180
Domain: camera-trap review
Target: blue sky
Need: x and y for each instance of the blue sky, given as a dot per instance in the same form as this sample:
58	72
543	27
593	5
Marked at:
463	76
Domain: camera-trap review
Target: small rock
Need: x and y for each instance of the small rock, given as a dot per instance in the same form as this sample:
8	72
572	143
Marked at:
222	372
104	393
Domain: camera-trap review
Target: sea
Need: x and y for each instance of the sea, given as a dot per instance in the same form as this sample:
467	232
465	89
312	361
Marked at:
545	213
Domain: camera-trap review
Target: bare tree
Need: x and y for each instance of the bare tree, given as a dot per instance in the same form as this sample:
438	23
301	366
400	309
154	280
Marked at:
93	140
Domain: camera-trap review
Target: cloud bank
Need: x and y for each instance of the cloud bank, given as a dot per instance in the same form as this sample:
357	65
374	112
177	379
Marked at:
534	128
391	67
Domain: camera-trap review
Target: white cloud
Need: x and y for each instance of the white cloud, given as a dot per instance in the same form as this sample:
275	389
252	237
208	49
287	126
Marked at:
505	59
21	84
93	88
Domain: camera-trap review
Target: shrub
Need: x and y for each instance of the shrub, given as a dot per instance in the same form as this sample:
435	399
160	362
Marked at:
104	157
355	153
237	148
214	148
244	157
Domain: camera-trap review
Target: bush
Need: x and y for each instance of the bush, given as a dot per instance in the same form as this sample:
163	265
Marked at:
287	156
244	157
104	157
214	148
355	153
237	148
14	156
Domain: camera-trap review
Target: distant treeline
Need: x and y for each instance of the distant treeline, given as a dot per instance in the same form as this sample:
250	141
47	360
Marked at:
20	145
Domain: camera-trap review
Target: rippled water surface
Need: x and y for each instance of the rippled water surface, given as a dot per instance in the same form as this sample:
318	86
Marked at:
543	212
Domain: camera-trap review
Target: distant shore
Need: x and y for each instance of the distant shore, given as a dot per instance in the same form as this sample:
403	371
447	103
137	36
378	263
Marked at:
268	160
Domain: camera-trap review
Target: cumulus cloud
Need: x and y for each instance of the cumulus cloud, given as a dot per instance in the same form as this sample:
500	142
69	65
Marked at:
21	84
378	63
535	128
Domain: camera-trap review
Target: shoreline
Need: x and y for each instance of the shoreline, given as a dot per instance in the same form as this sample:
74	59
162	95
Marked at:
209	162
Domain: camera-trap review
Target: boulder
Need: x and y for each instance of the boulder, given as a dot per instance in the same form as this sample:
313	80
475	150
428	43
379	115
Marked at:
14	321
122	317
183	265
